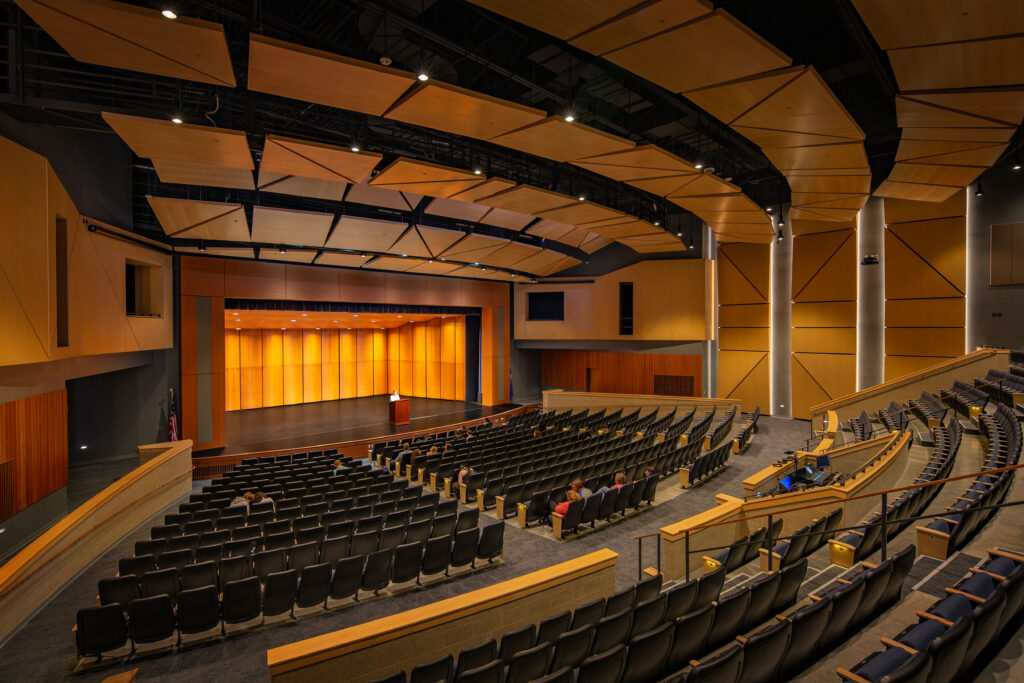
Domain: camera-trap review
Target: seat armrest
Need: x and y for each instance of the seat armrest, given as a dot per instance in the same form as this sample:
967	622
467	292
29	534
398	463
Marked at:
889	642
927	615
972	598
847	675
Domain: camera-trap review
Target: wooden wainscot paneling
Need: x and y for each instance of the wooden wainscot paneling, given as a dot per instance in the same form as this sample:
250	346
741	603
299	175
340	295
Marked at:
33	450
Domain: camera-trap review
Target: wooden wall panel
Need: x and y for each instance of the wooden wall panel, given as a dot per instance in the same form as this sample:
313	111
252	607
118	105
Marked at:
380	362
292	375
33	450
619	373
364	362
744	334
232	370
273	368
330	367
312	373
460	362
394	363
433	384
824	314
405	360
419	360
348	356
925	283
448	358
251	368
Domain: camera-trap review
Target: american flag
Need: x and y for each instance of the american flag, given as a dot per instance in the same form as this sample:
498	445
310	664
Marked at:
172	418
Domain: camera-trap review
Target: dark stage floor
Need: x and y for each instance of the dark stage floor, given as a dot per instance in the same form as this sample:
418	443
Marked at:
312	424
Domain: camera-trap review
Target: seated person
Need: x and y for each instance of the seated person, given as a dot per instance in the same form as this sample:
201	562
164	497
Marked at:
620	481
537	434
580	487
242	500
401	457
464	472
339	466
570	496
259	497
412	458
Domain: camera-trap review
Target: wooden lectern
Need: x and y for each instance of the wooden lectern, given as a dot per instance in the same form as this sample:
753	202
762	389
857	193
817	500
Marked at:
398	412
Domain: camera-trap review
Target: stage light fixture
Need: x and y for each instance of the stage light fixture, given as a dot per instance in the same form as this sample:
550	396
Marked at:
778	236
235	313
399	316
305	315
281	250
782	223
403	255
477	171
175	119
979	192
202	247
238	328
569	118
295	321
334	321
769	209
363	255
699	165
373	321
582	198
679	234
355	148
657	223
1016	166
169	14
423	78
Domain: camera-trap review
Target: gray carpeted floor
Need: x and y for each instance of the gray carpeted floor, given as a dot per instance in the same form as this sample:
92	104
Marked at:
43	650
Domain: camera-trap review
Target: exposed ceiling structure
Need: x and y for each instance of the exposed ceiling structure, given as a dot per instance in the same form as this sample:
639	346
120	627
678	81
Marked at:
275	101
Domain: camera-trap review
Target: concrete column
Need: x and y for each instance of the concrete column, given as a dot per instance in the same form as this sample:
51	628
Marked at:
871	295
781	320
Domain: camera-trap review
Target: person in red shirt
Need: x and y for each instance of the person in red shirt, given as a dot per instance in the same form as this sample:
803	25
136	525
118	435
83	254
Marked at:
570	496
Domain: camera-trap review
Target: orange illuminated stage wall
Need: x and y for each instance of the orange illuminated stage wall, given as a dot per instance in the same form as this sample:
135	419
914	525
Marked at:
274	367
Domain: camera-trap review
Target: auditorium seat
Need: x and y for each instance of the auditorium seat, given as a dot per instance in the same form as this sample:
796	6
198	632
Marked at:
845	601
279	595
606	667
552	628
488	673
725	666
464	548
612	630
348	574
515	642
377	572
475	657
572	647
528	665
491	542
730	611
160	582
120	590
198	615
198	575
588	614
431	672
314	586
151	624
808	624
241	604
763	651
764	590
681	598
101	632
647	653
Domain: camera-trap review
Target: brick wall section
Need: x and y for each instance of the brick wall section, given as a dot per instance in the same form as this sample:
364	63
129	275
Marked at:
378	648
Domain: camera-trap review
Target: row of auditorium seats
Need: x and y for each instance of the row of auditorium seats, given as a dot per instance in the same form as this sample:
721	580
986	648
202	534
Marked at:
968	514
957	634
963	397
234	598
742	439
717	433
864	540
705	466
636	635
928	407
803	541
1001	386
743	550
596	507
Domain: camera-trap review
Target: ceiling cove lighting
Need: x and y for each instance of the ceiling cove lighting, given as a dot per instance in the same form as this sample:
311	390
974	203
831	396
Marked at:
169	14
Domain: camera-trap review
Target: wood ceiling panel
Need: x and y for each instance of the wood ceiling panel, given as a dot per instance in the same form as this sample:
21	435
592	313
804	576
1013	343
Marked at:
764	137
715	48
824	213
302	73
191	219
644	22
411	244
835	200
1005	105
169	141
286	156
705	183
935	174
847	155
301	187
557	266
727	101
434	268
331	258
711	203
582	213
854	184
290	255
425	178
811	227
527	199
287	226
364	234
361	193
393	263
438	239
124	36
484	189
230	252
555	138
540	261
981	64
452	208
473	247
630	229
806	105
663	186
748	218
328	320
560	19
645	161
510	220
911	112
510	255
915	151
959	134
919	22
594	242
916	191
657	248
552	230
456	110
184	173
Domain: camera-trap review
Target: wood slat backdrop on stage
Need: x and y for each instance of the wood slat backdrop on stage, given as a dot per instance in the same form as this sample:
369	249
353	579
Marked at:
744	332
617	373
824	341
264	368
925	283
219	278
33	450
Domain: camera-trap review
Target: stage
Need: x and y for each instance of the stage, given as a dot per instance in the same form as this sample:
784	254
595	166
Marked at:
311	424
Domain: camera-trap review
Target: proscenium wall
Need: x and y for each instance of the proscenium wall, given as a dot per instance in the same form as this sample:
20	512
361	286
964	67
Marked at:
824	313
671	302
272	367
617	373
744	327
925	283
